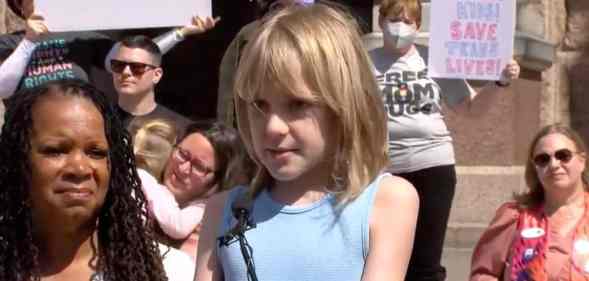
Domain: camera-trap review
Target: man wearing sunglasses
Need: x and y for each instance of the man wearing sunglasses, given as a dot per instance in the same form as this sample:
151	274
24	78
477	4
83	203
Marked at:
39	55
136	70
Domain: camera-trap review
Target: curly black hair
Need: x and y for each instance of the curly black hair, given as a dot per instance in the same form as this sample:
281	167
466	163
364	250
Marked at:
127	249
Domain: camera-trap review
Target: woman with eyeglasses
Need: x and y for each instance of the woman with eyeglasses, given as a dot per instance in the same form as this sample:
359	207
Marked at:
544	234
205	160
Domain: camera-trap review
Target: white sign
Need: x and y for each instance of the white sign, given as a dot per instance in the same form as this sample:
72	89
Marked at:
471	39
77	15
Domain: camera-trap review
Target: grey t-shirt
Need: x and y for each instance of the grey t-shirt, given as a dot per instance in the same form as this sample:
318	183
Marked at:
418	136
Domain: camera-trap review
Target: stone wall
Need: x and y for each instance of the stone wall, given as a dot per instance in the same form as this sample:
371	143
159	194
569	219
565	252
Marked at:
574	52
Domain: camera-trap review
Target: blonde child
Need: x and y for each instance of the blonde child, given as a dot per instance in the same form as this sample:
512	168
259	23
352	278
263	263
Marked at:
311	117
152	145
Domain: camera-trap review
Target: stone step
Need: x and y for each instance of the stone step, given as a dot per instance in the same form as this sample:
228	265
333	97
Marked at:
480	190
463	235
457	263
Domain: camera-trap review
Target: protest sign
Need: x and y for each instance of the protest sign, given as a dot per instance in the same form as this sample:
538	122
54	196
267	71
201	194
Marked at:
78	15
471	39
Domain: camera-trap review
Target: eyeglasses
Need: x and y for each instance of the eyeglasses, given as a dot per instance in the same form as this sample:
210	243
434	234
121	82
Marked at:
563	155
196	166
137	68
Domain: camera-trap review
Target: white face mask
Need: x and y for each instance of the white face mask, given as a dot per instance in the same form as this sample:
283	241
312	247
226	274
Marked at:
399	34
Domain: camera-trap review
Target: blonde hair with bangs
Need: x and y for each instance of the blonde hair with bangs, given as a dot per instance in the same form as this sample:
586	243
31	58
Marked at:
325	39
152	145
397	7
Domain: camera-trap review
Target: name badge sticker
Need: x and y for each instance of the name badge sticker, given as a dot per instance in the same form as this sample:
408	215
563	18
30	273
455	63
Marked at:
582	246
580	255
534	232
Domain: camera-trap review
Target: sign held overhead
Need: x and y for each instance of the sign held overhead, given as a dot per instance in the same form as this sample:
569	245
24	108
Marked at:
79	15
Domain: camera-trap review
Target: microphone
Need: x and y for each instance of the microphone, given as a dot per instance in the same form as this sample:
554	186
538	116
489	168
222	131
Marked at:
240	208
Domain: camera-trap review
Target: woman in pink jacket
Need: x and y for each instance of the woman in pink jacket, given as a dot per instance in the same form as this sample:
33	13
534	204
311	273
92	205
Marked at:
544	235
201	163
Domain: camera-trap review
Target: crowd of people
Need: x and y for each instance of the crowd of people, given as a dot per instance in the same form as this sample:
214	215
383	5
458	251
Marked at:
320	165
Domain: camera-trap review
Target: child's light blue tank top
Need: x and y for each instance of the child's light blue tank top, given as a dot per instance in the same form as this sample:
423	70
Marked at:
311	243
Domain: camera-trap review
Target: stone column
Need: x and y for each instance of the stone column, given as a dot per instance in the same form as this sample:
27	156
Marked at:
546	19
575	59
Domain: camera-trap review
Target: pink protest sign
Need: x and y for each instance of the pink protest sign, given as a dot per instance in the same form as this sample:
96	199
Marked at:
471	39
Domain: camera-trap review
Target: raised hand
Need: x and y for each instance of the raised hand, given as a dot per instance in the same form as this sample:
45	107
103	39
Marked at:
35	27
198	25
510	72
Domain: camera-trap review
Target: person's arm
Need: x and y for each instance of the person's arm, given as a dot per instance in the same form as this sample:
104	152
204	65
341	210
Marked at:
482	100
489	258
174	221
207	266
388	258
170	39
13	68
197	25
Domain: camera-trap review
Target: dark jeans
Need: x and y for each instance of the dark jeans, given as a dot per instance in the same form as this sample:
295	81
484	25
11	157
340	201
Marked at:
435	187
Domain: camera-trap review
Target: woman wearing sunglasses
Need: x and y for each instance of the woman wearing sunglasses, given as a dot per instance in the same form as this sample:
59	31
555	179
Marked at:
544	234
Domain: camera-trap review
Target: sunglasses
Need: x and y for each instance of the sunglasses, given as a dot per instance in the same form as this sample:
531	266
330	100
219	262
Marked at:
563	155
137	68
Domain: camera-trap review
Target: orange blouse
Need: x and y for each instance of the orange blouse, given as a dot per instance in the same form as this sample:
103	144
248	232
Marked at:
492	255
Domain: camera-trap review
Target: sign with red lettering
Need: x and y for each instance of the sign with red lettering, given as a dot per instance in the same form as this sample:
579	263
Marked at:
67	15
471	39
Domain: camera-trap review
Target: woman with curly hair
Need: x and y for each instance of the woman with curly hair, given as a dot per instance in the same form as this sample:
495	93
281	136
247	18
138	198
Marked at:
71	207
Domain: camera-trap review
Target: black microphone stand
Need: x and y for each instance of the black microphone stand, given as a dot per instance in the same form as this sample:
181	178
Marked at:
238	233
242	224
